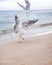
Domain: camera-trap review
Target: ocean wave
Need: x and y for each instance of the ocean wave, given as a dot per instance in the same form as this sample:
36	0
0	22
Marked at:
46	24
6	31
42	25
33	26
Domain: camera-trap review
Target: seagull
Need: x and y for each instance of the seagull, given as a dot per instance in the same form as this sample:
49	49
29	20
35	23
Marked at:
27	8
25	26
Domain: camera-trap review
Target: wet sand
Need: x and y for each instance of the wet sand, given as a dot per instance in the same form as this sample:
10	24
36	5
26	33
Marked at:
33	51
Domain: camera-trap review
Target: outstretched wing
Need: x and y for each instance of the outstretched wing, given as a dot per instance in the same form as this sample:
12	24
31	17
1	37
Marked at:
16	24
27	5
21	6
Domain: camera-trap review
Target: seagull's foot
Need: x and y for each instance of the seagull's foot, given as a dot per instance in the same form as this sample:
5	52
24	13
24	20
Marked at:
19	41
23	38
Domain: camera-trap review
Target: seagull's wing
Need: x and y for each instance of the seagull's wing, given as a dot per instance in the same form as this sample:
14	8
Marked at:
27	5
16	24
21	6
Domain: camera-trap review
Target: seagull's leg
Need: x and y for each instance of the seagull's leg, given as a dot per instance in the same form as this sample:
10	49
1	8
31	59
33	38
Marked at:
21	36
18	39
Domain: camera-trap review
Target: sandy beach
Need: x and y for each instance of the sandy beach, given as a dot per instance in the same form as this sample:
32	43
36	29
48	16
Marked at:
36	50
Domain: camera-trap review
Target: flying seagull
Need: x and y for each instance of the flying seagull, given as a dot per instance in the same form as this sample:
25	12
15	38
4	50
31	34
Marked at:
25	24
27	8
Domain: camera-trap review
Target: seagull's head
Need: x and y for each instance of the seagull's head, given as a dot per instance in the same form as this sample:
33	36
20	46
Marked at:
16	16
26	1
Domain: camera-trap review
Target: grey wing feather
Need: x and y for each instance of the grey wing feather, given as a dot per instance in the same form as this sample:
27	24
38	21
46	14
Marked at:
27	5
21	6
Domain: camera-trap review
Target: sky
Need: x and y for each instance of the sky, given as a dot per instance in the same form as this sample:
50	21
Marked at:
35	4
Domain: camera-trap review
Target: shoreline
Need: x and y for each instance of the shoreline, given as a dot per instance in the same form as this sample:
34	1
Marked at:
33	51
4	41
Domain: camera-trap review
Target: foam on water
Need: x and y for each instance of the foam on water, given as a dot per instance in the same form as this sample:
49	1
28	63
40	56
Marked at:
9	37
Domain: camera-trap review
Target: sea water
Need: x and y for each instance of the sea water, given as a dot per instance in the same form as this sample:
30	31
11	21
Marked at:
7	22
